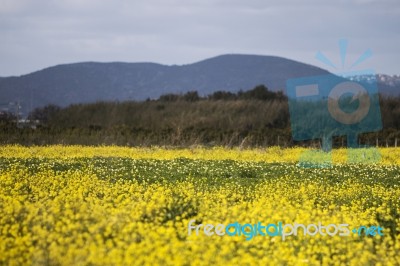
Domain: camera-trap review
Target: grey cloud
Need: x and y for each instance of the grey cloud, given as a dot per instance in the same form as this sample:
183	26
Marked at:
38	34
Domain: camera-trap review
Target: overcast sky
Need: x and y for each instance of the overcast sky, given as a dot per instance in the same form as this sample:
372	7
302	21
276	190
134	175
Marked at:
39	33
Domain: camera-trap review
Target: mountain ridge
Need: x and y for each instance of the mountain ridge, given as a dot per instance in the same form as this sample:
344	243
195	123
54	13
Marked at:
91	81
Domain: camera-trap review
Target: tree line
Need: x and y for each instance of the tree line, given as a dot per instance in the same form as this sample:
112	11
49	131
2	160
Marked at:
256	117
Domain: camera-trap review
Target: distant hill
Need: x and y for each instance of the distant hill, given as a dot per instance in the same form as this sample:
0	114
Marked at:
90	81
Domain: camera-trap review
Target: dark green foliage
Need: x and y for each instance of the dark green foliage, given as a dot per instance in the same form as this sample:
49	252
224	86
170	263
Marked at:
223	95
261	93
7	120
44	114
257	117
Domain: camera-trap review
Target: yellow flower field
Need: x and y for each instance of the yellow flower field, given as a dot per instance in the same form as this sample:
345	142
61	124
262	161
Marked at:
74	205
271	154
